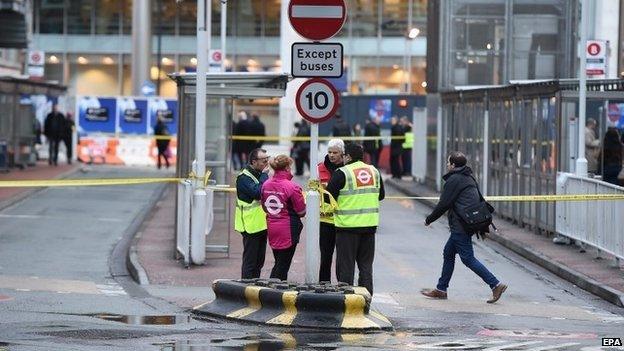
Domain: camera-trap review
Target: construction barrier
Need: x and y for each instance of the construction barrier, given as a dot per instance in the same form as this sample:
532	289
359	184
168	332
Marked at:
277	302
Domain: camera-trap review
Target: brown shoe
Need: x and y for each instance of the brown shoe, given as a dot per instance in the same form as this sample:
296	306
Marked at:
434	293
497	292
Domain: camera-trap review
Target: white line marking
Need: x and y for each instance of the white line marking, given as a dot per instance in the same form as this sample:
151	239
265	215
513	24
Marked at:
315	11
384	299
509	346
553	347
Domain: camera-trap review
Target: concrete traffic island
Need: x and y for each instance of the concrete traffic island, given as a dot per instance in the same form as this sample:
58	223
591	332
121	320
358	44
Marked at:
282	303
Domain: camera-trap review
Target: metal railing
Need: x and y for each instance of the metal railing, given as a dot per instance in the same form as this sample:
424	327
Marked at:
599	224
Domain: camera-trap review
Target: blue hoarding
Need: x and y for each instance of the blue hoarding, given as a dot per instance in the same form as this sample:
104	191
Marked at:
132	115
97	114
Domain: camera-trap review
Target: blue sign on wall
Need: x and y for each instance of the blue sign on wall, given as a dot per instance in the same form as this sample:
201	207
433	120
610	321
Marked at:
97	114
132	115
165	109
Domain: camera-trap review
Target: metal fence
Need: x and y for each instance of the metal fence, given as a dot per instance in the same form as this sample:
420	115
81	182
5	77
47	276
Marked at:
596	223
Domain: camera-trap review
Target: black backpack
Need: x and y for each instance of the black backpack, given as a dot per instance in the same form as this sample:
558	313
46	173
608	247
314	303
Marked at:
477	218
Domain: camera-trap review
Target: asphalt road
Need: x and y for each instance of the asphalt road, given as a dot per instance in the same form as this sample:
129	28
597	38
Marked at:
61	252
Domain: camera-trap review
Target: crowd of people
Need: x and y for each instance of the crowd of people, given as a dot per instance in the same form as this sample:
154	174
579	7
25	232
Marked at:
604	157
402	139
270	207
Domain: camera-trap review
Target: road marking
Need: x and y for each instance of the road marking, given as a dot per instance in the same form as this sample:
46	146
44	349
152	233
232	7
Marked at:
553	347
27	216
384	299
512	346
111	289
535	334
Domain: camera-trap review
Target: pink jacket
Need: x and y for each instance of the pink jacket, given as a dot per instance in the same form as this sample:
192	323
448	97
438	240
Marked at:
283	203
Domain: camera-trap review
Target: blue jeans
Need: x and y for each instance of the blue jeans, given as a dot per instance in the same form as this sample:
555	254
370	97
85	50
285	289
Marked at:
460	243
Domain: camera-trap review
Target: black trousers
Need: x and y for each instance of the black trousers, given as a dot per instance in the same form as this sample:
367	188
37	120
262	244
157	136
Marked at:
406	160
327	243
395	164
301	158
351	248
283	259
162	152
374	157
254	250
68	147
53	144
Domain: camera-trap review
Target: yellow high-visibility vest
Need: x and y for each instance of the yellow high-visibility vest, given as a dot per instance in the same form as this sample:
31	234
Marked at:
409	140
358	200
249	217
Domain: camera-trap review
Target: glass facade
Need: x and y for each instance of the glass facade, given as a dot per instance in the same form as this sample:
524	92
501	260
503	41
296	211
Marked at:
494	41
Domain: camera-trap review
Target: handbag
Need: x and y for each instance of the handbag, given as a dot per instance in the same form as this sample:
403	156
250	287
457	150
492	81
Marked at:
477	218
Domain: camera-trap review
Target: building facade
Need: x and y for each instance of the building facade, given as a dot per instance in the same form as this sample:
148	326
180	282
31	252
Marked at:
88	43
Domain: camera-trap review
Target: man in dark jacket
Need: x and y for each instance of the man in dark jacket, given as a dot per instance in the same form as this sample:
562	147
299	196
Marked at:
301	148
373	147
459	192
54	129
396	148
68	136
257	129
341	127
357	216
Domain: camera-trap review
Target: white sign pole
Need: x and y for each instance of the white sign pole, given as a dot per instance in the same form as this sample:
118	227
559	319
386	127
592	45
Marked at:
581	161
198	209
313	202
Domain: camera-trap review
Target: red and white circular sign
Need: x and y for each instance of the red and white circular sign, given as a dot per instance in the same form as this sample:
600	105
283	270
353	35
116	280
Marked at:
593	49
317	19
317	100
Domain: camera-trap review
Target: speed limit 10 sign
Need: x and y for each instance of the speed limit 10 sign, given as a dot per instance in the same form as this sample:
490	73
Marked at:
317	100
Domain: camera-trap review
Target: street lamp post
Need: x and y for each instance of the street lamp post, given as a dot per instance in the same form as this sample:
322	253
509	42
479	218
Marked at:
581	161
411	35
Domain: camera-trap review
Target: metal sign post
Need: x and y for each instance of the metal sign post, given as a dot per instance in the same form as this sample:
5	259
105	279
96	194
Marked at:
317	99
581	161
198	207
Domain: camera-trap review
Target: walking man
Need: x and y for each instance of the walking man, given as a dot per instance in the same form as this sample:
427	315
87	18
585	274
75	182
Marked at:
357	188
249	218
327	237
460	192
54	129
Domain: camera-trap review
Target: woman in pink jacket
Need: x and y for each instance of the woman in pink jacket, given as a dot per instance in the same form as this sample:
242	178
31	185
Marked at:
283	203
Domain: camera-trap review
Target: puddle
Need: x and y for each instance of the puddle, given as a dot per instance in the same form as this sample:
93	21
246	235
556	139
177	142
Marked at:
144	320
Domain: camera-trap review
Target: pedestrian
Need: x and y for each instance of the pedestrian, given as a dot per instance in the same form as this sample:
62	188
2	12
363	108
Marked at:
327	237
611	156
249	218
341	127
244	130
357	188
284	205
162	141
53	129
236	148
592	146
459	193
373	148
408	142
357	132
301	148
68	136
396	148
257	129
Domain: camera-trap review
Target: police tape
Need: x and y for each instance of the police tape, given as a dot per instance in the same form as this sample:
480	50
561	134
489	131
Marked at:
51	183
529	198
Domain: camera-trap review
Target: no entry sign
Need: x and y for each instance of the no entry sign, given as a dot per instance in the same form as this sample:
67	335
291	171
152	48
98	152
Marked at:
317	100
317	19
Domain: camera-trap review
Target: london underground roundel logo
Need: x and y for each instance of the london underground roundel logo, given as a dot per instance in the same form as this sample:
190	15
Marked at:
363	177
273	205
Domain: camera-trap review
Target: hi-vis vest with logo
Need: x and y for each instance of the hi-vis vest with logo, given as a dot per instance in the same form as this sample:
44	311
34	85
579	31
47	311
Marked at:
249	217
358	201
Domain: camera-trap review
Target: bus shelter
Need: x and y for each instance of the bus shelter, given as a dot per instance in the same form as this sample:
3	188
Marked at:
518	136
18	117
222	90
